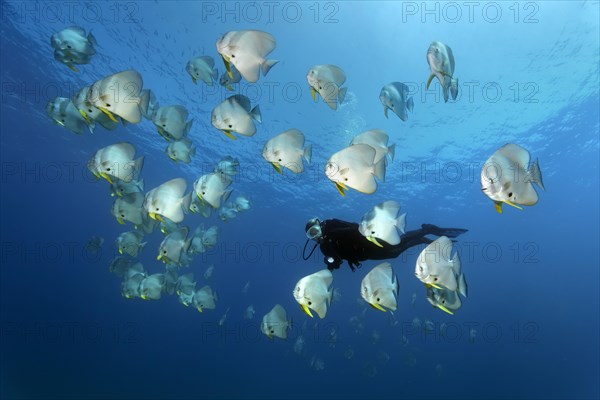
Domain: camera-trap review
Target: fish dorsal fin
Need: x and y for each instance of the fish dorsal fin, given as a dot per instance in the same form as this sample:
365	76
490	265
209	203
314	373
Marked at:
400	87
293	138
516	154
77	29
182	111
337	74
208	60
450	59
390	208
242	100
175	187
179	235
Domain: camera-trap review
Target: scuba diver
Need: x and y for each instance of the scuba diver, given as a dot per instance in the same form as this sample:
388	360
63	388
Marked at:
340	240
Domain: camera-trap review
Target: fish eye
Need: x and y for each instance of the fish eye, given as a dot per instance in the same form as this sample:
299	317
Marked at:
89	110
378	299
435	279
122	215
164	252
107	105
443	301
309	303
280	160
203	193
233	56
510	194
320	88
68	46
108	169
272	331
164	125
231	126
372	232
346	179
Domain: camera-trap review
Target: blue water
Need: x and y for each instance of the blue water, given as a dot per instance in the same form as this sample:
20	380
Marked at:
529	74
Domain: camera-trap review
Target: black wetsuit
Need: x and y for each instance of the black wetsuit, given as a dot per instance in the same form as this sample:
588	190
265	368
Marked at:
342	240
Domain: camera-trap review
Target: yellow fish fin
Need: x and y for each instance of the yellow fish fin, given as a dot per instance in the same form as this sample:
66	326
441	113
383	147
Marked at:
108	114
313	93
510	203
429	81
306	310
229	135
374	241
277	167
498	206
106	176
377	307
443	308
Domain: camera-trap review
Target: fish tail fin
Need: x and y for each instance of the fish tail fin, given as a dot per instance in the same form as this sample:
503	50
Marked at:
255	113
462	285
342	94
137	166
226	195
91	126
536	174
188	126
410	104
336	294
379	169
307	153
396	286
391	152
187	245
92	39
188	198
267	65
215	73
456	266
186	201
401	222
429	81
445	91
147	103
141	184
454	88
169	287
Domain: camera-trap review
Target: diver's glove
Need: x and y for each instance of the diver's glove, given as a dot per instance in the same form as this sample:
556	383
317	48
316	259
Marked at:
332	263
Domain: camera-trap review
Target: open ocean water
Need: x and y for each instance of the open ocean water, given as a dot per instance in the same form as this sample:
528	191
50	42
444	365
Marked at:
528	74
